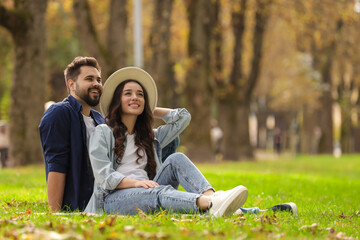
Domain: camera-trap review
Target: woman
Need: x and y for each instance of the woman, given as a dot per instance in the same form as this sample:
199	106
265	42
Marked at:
125	153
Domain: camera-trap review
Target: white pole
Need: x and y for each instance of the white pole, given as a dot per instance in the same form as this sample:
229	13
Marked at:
138	42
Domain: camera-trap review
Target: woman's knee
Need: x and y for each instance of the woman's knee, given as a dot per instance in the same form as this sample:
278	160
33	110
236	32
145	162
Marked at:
177	157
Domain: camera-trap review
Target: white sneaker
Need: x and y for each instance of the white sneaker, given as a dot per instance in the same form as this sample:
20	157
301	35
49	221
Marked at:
225	203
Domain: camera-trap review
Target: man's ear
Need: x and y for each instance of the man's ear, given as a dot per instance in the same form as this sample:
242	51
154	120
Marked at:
71	84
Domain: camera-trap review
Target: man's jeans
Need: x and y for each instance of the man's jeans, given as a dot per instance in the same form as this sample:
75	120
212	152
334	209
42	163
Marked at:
177	169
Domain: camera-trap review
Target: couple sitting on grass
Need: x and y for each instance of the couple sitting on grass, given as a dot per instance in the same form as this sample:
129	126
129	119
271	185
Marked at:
127	160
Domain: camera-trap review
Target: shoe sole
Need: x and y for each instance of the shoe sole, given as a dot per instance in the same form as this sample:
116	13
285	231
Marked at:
233	202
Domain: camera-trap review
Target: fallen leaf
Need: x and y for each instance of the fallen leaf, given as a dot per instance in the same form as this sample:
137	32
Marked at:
101	227
332	233
147	235
28	211
343	236
89	220
175	220
343	216
160	214
110	221
140	212
313	228
128	228
277	236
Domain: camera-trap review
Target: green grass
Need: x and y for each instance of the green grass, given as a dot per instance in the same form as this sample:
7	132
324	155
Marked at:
325	189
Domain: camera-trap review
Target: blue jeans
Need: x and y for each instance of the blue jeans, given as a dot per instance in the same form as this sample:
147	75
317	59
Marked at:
177	169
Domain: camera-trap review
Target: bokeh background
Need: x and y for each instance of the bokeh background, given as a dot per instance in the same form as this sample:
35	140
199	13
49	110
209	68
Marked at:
258	76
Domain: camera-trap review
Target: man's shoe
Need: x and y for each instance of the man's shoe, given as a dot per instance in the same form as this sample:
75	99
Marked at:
290	207
225	203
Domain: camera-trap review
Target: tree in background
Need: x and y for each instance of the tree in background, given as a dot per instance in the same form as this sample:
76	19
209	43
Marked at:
317	35
5	73
197	78
111	52
235	93
63	45
25	20
161	63
347	79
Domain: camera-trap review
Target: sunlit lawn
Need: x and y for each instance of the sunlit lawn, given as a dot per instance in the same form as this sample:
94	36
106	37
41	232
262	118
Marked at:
325	189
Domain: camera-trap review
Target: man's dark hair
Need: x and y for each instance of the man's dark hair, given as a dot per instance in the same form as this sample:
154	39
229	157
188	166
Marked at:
72	70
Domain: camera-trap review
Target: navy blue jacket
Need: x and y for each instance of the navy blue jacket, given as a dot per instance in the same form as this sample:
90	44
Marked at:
63	139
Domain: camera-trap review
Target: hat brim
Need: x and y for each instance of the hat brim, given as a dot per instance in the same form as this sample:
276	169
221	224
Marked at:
122	75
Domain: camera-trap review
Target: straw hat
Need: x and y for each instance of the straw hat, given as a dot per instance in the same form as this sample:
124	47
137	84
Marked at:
122	75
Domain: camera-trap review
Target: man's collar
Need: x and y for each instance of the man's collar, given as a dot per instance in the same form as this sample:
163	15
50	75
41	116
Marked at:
75	103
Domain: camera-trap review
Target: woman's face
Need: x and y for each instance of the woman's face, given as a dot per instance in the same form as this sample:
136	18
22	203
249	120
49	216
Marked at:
132	99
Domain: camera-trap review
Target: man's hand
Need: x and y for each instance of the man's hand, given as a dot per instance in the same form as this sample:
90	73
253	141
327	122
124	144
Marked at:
55	190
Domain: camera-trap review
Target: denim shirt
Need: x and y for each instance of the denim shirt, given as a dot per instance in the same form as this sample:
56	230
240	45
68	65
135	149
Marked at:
63	139
103	158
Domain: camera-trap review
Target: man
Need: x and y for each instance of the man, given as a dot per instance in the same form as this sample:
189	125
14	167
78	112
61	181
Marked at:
64	131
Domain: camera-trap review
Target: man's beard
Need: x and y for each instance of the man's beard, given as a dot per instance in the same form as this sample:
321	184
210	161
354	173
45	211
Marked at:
85	96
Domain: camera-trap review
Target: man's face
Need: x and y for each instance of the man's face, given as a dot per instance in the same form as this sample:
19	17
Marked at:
88	87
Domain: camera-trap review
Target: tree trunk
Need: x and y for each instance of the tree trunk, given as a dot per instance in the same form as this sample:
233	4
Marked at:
309	142
111	55
116	36
356	130
227	93
161	63
344	100
27	26
325	118
346	127
197	87
228	120
261	18
245	150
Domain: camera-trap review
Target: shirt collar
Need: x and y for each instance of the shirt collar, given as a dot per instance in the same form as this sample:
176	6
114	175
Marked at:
75	103
99	119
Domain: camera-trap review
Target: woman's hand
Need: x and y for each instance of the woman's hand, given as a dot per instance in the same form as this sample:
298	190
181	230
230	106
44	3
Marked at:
146	184
133	183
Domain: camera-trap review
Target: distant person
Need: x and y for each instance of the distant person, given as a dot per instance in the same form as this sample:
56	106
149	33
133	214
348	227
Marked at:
216	135
277	140
4	143
125	154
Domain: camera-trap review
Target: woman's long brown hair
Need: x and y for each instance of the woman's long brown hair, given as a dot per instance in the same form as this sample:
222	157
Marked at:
144	135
